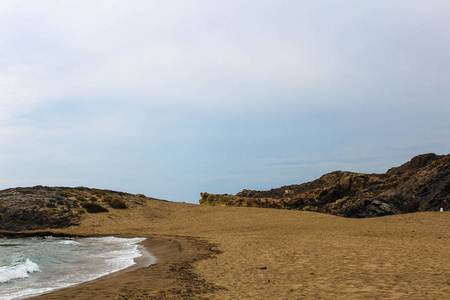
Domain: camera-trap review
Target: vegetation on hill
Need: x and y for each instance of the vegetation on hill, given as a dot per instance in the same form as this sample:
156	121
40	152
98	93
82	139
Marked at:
42	207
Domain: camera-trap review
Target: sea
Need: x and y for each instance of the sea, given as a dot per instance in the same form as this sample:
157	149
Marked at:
38	265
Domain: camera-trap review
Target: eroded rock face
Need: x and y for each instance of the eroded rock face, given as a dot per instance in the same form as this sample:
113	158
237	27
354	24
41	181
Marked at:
43	207
422	184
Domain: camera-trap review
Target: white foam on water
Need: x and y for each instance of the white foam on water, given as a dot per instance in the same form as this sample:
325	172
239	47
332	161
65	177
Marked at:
87	259
69	242
19	270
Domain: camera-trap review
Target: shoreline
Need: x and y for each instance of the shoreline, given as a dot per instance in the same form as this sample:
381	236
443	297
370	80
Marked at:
171	272
254	253
146	259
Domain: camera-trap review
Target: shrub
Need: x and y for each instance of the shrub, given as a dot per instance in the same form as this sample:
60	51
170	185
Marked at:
81	188
99	193
80	198
107	198
118	203
80	212
93	207
67	193
53	211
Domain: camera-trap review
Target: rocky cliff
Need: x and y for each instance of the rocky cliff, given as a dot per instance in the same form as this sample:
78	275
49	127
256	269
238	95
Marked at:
422	184
42	207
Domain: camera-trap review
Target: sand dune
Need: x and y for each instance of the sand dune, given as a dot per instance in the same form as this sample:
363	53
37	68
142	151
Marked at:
253	253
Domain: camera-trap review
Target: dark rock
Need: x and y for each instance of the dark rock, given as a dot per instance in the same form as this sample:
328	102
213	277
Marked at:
422	184
415	163
374	207
43	207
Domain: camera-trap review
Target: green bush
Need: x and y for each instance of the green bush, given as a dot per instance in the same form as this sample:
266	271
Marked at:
107	198
99	193
53	211
118	203
80	198
79	212
93	207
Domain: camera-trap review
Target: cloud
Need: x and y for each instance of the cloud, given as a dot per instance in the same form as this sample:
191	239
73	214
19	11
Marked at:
215	55
186	56
220	94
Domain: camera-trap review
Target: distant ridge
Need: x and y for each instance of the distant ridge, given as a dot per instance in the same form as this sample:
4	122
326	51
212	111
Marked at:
422	184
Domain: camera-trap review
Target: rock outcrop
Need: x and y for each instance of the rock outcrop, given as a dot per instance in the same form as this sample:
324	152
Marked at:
422	184
42	207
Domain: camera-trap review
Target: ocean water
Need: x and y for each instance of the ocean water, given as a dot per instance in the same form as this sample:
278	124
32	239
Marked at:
33	266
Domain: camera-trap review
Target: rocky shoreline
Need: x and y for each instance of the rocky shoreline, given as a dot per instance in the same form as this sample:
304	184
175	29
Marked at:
422	184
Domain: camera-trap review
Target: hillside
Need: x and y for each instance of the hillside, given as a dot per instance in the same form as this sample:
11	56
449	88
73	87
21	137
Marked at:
422	184
42	207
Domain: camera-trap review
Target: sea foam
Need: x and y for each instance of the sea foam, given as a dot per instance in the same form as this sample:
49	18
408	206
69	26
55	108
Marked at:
19	270
30	267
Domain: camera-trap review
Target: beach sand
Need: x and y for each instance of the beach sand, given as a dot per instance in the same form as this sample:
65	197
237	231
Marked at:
206	252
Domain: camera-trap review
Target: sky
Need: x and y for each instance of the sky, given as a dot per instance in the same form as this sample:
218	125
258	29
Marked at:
173	98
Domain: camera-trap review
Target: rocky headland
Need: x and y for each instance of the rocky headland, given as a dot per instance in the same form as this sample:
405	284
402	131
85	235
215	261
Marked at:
43	207
422	184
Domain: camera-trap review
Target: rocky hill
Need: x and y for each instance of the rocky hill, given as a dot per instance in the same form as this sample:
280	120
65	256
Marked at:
42	207
422	184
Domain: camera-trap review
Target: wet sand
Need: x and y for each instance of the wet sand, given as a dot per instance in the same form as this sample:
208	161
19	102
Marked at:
251	253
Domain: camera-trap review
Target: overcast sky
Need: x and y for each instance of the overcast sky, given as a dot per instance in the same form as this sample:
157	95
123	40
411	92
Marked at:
173	98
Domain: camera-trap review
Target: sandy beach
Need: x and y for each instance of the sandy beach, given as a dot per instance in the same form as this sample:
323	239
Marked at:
206	252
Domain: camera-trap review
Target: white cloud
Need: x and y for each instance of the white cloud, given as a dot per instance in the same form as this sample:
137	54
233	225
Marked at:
217	55
224	85
173	52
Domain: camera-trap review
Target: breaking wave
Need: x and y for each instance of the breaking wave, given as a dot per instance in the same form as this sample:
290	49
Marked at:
21	269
